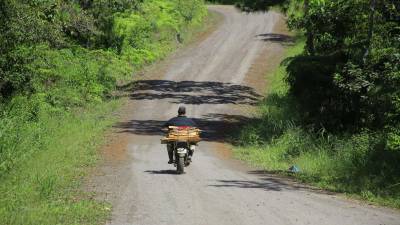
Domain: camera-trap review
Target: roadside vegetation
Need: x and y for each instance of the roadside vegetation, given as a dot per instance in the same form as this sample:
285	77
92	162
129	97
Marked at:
332	107
60	62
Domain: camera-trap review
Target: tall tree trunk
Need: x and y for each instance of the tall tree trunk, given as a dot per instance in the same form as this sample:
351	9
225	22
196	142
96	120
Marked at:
309	33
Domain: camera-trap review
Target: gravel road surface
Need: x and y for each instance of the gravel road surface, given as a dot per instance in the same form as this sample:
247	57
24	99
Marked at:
212	78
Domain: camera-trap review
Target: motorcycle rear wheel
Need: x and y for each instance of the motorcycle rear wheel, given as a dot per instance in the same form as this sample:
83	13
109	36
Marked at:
180	165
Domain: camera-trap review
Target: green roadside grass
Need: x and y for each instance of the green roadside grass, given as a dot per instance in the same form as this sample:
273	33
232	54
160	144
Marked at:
276	140
44	185
46	188
272	113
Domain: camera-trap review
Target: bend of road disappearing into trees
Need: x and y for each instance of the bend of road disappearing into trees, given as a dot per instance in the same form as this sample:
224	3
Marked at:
213	79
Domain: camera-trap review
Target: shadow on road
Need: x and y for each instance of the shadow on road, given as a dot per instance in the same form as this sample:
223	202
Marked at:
267	181
166	172
216	127
191	92
277	38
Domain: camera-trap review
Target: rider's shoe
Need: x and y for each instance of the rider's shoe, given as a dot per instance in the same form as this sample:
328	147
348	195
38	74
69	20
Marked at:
170	161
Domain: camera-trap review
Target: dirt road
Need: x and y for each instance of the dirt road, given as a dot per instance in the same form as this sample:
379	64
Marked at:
217	79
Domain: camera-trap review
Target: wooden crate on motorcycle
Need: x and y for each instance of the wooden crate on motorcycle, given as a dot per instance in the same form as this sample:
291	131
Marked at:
190	134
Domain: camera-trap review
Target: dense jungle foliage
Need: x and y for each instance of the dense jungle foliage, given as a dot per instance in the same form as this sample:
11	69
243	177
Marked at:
58	55
340	98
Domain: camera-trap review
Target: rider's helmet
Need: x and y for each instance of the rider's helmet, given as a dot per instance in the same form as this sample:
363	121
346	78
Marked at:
181	110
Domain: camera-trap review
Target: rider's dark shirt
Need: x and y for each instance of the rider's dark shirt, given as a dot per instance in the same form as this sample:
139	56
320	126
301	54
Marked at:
180	121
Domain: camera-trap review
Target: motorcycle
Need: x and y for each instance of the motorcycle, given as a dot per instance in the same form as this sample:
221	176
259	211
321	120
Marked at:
182	140
181	152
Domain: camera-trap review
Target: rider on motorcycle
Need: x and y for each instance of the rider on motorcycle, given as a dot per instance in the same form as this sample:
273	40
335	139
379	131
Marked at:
180	121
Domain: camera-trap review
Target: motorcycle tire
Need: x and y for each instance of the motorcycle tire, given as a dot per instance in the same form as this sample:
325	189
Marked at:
180	165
